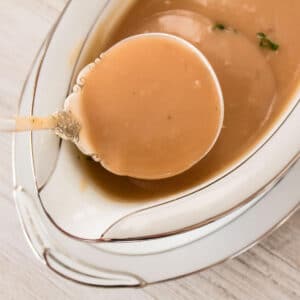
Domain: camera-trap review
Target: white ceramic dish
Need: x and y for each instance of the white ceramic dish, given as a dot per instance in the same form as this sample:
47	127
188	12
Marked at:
61	223
92	215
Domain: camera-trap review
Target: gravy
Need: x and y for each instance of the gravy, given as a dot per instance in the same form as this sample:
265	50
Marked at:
151	107
257	82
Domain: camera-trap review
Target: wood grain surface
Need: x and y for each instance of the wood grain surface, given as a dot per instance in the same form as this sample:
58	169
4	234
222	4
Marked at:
271	270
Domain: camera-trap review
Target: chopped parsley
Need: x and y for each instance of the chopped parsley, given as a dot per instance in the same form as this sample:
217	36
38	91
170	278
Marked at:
265	42
223	27
219	26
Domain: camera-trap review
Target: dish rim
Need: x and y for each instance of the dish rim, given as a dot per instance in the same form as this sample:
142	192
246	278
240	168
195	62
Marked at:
247	156
44	258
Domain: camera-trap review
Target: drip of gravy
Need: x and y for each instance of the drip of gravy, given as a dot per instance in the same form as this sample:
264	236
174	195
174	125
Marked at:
257	83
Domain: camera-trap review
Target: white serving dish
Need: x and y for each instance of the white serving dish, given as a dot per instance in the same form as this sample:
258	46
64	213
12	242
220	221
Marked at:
64	226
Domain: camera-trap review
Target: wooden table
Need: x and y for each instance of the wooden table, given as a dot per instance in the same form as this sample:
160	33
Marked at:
271	270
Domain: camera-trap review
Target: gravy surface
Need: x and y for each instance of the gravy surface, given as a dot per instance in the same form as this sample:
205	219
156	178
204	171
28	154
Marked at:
151	107
257	83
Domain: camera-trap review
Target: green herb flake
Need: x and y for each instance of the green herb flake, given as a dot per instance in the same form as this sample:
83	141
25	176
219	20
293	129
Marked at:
219	26
222	27
265	42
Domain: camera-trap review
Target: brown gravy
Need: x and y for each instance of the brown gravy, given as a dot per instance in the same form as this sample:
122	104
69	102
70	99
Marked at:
151	107
257	83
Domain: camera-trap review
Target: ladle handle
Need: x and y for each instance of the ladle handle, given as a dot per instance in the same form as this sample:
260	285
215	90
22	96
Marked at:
7	125
18	124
